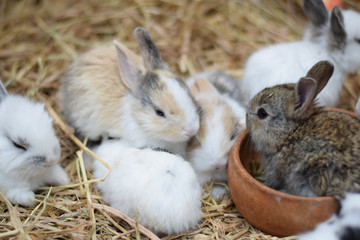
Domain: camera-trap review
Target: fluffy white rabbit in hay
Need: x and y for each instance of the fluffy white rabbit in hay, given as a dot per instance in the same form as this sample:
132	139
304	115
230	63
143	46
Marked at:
333	36
29	149
158	188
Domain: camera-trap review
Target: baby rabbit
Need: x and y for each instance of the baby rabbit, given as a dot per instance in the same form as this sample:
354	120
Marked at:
113	92
157	187
335	38
230	89
208	151
29	149
305	150
226	84
342	226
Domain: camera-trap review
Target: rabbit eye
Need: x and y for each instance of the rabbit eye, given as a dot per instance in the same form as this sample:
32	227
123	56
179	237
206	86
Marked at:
357	40
20	143
159	112
261	113
19	146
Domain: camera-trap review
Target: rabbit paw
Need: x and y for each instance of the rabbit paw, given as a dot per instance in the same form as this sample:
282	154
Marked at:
57	176
24	197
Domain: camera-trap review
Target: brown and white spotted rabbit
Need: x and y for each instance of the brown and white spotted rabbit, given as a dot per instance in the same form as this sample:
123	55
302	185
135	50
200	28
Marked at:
111	91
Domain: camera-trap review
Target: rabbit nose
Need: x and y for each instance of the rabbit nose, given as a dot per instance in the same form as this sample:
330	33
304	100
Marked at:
39	160
190	132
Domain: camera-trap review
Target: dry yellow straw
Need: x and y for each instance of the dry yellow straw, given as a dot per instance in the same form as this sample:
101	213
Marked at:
88	194
15	220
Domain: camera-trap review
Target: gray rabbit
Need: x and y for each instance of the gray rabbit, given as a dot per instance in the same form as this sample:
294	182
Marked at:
305	150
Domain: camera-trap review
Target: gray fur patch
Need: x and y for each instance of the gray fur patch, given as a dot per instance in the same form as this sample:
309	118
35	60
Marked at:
337	34
3	92
39	160
197	105
150	83
228	85
315	10
149	51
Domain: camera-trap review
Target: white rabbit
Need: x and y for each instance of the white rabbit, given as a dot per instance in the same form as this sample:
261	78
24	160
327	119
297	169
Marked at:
342	226
208	151
29	149
159	188
335	38
113	92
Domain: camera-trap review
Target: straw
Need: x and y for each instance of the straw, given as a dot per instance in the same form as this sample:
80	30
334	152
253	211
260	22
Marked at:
39	39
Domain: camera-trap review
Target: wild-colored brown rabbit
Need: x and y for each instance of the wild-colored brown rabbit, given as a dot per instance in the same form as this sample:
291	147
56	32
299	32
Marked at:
305	150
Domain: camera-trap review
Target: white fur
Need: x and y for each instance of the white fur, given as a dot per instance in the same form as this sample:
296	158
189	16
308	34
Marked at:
158	188
210	157
287	62
144	135
357	107
19	174
238	110
102	96
191	125
237	102
351	203
336	226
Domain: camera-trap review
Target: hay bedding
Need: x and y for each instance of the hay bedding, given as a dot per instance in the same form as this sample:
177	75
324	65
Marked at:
38	40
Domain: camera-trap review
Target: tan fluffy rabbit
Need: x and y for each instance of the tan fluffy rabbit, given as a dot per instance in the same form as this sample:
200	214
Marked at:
110	91
305	150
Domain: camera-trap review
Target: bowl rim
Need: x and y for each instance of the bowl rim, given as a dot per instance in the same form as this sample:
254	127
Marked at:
235	152
260	185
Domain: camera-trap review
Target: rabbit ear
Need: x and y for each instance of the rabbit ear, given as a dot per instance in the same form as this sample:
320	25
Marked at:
305	92
150	53
337	29
310	86
202	86
3	92
316	11
321	72
126	66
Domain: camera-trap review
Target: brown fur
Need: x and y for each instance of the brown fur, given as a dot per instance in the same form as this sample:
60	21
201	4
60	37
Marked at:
111	91
313	153
101	87
211	102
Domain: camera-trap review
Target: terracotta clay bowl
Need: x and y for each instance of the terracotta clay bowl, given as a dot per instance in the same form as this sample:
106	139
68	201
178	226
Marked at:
271	211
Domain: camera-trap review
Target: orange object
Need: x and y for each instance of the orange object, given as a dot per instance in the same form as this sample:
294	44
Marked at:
330	4
276	213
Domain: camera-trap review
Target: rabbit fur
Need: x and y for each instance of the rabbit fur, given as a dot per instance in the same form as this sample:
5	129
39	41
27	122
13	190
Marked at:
29	149
113	92
229	88
208	151
342	226
305	150
159	188
334	37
